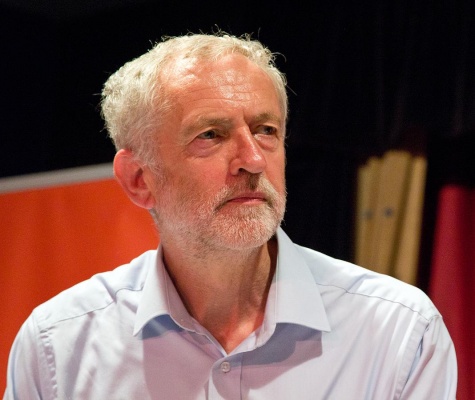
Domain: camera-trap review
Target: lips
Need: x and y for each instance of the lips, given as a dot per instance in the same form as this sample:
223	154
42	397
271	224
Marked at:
256	190
248	197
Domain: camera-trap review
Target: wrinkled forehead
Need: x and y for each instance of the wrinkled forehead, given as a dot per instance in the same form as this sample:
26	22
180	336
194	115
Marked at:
183	70
232	69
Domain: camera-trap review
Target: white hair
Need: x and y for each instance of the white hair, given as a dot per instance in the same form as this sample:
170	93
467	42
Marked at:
134	100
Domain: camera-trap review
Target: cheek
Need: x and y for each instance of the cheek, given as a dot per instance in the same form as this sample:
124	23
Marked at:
206	174
276	171
196	184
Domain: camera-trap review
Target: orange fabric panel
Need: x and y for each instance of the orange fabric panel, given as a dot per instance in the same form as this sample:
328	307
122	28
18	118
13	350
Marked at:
53	238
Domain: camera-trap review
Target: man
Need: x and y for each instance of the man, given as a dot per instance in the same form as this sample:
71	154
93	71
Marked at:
228	307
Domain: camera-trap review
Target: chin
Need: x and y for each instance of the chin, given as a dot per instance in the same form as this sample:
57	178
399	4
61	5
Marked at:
244	233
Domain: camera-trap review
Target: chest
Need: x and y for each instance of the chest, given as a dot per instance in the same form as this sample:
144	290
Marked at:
295	363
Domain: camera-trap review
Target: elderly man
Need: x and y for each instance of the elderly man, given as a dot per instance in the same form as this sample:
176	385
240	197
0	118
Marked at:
227	307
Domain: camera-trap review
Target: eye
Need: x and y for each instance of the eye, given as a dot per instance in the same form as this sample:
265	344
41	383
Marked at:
268	136
269	130
266	130
211	134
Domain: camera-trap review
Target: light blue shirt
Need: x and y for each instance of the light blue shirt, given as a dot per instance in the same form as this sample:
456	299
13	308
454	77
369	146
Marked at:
331	330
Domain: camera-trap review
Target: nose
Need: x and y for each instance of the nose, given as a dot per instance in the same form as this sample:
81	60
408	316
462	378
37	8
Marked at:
248	156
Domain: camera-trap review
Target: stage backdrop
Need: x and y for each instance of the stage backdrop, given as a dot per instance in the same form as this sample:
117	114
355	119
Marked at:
453	277
57	229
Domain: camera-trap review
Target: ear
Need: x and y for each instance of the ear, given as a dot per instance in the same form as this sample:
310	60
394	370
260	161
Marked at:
130	175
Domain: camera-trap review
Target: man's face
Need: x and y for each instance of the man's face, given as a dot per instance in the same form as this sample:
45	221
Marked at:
221	156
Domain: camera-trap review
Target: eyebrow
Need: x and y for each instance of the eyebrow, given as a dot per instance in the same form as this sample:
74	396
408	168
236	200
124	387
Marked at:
266	116
204	122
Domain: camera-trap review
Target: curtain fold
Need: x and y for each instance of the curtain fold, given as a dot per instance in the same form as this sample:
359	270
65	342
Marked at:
453	276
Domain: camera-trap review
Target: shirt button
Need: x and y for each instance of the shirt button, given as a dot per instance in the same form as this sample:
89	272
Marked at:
225	366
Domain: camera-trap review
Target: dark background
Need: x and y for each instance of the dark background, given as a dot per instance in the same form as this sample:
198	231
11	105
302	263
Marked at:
363	76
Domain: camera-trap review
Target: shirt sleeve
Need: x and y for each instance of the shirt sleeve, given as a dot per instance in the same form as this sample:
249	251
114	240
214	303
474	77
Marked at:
434	370
28	372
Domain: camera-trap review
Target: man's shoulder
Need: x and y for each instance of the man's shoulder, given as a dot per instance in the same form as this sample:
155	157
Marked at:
96	293
354	282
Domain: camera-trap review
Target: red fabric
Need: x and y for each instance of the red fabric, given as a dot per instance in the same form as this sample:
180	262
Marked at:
452	286
53	238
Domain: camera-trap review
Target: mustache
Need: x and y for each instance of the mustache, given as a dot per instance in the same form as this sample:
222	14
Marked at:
253	183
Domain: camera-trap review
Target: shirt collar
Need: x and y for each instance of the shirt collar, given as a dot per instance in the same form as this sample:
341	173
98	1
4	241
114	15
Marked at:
160	297
293	297
294	291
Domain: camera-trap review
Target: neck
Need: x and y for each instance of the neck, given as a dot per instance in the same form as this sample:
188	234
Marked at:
224	291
